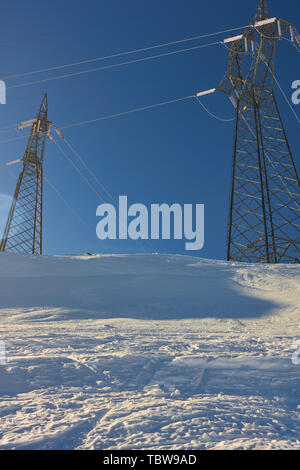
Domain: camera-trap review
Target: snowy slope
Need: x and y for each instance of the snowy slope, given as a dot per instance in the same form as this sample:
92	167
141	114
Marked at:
148	352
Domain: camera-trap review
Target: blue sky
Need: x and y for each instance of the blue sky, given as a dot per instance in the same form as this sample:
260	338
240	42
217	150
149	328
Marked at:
175	153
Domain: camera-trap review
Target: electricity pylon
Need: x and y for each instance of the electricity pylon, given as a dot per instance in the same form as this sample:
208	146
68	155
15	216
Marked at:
264	214
23	231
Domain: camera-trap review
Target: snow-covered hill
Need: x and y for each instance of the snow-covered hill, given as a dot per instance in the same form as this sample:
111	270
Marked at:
148	352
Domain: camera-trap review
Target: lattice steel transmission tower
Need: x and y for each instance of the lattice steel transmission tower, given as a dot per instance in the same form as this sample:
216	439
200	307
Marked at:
23	231
264	220
264	215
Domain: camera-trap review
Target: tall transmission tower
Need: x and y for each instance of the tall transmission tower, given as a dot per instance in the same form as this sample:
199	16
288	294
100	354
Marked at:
264	214
23	231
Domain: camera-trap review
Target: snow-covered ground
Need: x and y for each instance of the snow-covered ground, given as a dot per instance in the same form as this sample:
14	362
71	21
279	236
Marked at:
148	352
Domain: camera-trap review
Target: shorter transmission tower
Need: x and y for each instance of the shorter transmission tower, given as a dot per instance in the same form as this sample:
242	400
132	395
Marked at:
23	231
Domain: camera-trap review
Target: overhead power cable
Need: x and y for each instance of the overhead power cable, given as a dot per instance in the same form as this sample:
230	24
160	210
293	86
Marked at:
110	116
110	66
13	139
213	115
12	127
101	185
82	161
67	204
135	110
148	107
94	190
120	54
78	171
144	108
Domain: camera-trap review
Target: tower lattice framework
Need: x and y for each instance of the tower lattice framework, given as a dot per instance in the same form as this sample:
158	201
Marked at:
264	215
23	231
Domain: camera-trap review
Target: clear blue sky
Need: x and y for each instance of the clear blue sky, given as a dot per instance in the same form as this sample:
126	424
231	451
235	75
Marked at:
176	153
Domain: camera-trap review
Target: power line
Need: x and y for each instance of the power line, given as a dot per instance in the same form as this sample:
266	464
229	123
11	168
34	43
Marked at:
13	139
67	204
93	189
120	64
89	170
78	170
110	116
135	110
8	128
144	49
213	115
101	185
144	108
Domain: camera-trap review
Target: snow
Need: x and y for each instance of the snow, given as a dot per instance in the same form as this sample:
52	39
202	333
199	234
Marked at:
148	352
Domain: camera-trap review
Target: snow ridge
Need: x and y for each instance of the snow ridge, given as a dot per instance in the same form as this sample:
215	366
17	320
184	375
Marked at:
148	352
